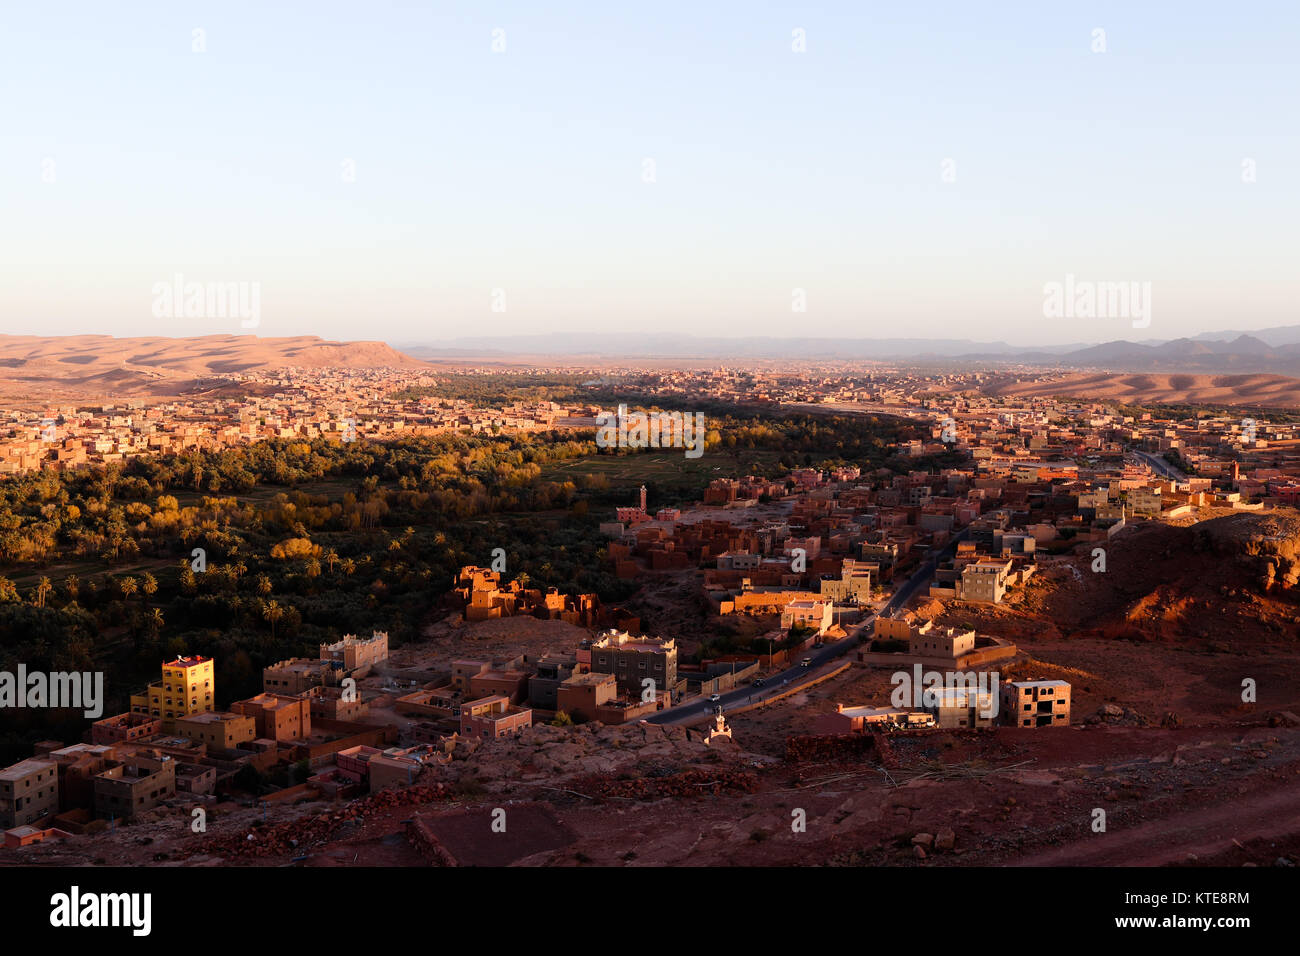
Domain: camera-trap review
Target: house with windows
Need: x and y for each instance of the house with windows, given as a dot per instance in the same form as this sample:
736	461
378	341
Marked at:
1036	703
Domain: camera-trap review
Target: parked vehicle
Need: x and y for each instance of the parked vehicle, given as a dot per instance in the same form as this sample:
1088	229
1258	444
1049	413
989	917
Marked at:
806	662
715	699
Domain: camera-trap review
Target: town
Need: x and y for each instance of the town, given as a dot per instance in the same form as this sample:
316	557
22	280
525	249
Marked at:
790	581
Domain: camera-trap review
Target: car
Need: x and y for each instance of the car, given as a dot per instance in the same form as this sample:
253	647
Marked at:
758	682
806	662
715	699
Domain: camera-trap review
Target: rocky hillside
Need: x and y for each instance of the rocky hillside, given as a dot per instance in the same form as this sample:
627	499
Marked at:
1268	545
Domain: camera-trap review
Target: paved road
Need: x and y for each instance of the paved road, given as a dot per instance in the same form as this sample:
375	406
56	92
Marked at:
1161	466
772	683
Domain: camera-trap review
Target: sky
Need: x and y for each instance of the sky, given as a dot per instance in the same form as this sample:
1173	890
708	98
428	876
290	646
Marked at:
417	172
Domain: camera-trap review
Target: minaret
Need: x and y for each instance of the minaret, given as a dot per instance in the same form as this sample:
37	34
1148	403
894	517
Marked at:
643	497
719	729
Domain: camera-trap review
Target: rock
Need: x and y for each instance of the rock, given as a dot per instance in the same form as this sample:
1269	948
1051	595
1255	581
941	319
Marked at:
1110	710
1283	861
918	852
923	840
945	839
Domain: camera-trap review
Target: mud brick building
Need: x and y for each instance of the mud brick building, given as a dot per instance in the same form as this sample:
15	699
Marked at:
219	731
493	717
138	784
356	656
29	791
277	717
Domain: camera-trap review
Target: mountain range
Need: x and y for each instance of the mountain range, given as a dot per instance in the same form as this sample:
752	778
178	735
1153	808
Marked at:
1269	350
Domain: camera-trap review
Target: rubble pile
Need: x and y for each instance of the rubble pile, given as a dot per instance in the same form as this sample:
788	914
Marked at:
285	838
688	783
1117	716
829	747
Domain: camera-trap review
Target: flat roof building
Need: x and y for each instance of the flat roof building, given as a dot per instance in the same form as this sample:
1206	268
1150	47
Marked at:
355	653
141	782
29	791
634	659
493	716
1036	703
187	687
277	716
219	730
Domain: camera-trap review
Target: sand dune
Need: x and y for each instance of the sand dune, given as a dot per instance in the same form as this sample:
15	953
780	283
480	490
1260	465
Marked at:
33	366
1276	391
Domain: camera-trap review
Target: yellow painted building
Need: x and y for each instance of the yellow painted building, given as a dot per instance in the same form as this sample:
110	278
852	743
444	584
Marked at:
187	687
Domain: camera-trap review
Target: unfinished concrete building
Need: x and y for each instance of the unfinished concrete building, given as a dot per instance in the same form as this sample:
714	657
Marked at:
1036	703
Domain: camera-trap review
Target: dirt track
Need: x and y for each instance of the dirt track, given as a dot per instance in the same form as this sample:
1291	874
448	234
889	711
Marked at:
1202	832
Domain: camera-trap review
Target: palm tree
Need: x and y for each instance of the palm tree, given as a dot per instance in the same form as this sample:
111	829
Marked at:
127	586
331	559
42	589
272	612
72	584
155	621
148	584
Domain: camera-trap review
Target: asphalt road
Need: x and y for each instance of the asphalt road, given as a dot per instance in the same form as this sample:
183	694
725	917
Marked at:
697	708
1161	466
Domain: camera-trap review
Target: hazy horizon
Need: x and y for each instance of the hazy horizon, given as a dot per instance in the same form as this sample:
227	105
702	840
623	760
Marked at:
382	172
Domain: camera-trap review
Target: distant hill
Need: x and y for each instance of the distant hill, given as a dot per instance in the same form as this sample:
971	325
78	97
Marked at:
102	365
696	347
1270	391
1277	336
1273	350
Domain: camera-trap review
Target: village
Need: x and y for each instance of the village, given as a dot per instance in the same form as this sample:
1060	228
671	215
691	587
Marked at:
812	573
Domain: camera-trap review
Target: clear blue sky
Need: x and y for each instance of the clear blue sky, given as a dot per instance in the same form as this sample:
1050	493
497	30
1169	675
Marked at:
522	170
